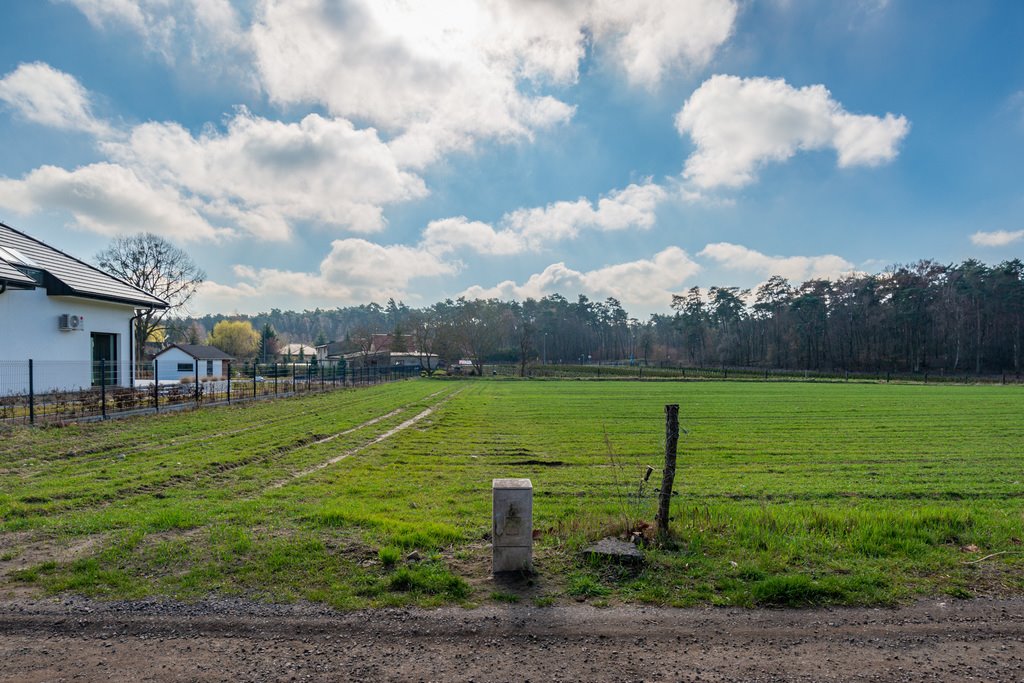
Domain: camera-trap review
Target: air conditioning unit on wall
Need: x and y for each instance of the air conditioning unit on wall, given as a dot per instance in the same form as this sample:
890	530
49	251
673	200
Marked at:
72	322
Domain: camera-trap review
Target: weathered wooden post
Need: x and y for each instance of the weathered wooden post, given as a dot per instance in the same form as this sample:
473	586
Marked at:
668	475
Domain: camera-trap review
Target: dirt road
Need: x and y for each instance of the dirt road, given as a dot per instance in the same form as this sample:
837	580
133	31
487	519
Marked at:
78	640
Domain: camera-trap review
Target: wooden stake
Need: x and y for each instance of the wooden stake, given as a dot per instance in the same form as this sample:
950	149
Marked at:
668	475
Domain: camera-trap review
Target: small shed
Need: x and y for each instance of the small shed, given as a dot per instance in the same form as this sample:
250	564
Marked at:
181	360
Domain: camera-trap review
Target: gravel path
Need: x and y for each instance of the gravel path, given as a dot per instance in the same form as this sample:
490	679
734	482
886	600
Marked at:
232	640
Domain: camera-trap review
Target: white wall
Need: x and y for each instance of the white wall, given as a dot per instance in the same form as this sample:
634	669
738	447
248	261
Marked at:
29	329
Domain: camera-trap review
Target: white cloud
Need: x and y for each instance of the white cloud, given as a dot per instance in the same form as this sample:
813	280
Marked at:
997	238
434	76
256	174
645	284
651	38
263	173
201	32
531	229
441	75
100	13
459	233
44	95
794	268
437	77
355	271
740	124
632	207
110	200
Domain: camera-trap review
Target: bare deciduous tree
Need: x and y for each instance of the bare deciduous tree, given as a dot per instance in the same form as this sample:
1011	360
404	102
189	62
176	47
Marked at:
154	265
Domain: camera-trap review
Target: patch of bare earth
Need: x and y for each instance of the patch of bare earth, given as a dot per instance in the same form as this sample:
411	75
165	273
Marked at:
20	550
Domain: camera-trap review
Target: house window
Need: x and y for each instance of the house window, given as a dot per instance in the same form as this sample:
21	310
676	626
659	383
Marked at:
209	368
184	367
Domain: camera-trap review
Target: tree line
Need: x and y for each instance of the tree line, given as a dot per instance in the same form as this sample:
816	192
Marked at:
921	317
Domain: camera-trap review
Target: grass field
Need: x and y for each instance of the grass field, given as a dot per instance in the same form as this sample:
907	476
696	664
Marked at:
790	493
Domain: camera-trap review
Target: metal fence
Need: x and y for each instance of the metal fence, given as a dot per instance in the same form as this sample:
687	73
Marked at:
35	391
664	370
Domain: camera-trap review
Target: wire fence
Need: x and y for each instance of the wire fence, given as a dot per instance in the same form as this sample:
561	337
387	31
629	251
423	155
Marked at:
34	391
655	371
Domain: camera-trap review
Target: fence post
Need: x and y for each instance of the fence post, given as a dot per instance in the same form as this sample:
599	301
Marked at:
196	392
669	473
156	385
103	388
229	380
31	393
255	371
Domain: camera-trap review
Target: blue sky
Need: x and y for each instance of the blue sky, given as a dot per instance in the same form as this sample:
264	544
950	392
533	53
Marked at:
315	153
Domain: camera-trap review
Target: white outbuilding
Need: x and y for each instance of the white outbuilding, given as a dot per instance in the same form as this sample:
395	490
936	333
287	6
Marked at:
179	361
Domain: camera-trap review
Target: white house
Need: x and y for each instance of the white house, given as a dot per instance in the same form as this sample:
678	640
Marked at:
297	352
183	360
65	315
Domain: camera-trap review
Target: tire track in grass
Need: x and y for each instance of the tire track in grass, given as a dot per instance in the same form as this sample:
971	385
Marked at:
358	449
375	420
103	450
217	471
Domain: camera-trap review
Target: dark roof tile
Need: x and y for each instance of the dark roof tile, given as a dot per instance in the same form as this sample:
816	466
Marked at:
200	352
78	277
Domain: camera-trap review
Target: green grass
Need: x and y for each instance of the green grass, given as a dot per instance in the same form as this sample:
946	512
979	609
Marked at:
789	494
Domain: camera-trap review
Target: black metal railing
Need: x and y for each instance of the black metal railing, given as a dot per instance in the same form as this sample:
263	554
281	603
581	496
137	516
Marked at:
35	391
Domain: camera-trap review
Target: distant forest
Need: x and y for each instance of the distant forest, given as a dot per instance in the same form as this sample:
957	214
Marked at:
910	318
